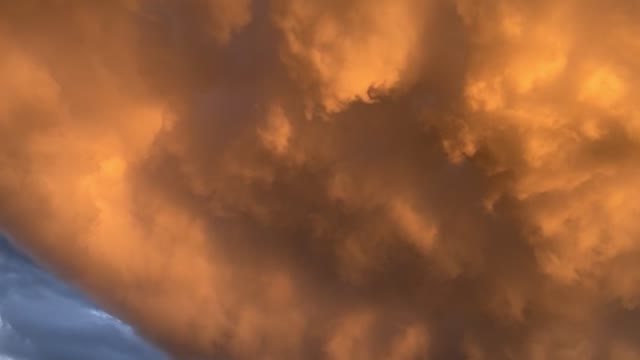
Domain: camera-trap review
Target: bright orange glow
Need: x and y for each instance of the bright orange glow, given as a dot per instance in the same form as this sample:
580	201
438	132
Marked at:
297	179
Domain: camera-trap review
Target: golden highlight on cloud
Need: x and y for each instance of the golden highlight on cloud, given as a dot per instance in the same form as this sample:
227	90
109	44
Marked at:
299	179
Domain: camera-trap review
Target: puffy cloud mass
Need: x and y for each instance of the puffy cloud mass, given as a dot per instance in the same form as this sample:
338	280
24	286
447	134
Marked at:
297	179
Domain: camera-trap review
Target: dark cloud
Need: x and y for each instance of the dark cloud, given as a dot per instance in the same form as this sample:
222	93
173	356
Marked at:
291	179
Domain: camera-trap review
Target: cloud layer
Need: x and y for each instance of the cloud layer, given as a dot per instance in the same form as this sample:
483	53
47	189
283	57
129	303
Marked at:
291	179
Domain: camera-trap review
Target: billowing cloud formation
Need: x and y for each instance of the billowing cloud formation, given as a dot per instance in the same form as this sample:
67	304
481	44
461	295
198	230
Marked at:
294	179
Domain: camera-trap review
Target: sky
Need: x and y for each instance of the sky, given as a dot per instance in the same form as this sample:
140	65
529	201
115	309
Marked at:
336	179
42	318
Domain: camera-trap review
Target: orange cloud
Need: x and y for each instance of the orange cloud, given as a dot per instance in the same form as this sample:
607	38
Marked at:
291	179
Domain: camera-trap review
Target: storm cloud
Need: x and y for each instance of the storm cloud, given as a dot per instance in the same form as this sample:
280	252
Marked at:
297	179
